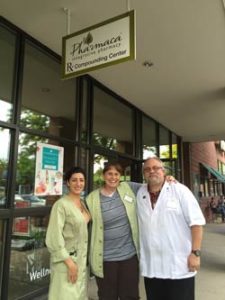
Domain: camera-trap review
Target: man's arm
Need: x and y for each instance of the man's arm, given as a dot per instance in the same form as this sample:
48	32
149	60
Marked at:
193	260
196	233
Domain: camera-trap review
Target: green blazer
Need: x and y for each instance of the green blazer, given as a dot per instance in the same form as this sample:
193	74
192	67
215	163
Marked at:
97	230
67	236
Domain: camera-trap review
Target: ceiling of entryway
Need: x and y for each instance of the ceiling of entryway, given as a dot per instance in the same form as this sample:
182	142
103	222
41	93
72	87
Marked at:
185	40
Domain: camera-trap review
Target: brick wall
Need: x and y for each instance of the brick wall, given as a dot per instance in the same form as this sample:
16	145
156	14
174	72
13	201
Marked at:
208	153
203	153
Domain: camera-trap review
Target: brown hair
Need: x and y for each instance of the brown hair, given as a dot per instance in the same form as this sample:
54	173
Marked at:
110	165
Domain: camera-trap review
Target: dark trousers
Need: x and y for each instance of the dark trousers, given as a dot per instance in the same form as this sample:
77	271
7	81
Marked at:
121	279
170	289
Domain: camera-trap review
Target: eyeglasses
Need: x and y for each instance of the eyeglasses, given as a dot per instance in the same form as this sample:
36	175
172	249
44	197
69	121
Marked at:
153	169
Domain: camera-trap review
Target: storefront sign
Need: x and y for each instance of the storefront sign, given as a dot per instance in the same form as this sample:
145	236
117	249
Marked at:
49	170
107	43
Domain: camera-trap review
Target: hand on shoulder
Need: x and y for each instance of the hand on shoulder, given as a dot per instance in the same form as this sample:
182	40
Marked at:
170	179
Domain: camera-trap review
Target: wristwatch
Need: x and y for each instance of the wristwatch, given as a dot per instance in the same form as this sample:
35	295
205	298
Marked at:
196	252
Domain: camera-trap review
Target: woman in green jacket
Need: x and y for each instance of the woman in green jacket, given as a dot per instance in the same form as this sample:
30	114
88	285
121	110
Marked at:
114	236
67	240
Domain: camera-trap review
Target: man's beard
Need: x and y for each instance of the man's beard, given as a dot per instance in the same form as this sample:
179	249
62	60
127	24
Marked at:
154	180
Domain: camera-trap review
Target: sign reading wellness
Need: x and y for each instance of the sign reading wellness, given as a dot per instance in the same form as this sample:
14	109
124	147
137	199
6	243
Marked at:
107	43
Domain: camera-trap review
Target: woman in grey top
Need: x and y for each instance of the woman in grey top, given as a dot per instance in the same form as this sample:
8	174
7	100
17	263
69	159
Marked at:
114	238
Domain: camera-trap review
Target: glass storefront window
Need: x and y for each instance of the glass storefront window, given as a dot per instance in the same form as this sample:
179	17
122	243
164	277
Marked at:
84	155
2	240
174	146
48	103
164	143
112	127
211	187
26	171
206	187
29	262
176	170
25	195
4	163
149	138
168	167
99	163
7	58
84	112
5	111
201	189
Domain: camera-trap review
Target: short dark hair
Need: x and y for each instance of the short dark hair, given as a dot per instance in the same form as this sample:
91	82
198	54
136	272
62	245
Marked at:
72	171
111	165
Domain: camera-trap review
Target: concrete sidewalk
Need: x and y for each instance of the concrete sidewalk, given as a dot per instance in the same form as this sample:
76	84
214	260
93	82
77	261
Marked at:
210	281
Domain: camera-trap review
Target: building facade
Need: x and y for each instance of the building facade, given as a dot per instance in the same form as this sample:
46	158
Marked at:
204	165
93	125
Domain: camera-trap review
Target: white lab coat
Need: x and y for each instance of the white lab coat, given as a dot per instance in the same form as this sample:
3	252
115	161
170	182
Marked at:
165	233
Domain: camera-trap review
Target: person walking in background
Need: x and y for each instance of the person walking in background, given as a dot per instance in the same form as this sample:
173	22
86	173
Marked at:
213	208
170	230
67	241
114	236
221	207
213	205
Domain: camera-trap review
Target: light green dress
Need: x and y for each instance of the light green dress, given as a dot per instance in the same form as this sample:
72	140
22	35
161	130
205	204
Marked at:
67	235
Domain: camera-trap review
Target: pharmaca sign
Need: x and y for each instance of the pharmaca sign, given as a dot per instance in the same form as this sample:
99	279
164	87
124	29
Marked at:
98	46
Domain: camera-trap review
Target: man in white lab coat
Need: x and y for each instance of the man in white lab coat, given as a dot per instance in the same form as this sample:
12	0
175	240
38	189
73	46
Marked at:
170	229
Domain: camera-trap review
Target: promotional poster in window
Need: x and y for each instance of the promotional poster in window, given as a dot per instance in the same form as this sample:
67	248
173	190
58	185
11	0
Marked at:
49	170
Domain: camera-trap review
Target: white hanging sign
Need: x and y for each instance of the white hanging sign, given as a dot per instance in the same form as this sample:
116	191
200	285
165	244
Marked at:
107	43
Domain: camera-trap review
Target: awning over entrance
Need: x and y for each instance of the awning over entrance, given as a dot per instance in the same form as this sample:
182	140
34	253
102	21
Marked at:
214	172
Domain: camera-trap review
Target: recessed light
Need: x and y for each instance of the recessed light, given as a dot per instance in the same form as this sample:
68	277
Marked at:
147	63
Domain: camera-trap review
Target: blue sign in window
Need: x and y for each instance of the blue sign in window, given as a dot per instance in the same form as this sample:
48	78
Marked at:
50	158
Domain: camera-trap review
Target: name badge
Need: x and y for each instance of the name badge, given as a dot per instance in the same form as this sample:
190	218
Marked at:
172	203
128	198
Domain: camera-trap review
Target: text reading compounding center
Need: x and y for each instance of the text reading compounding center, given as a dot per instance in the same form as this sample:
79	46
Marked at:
71	66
